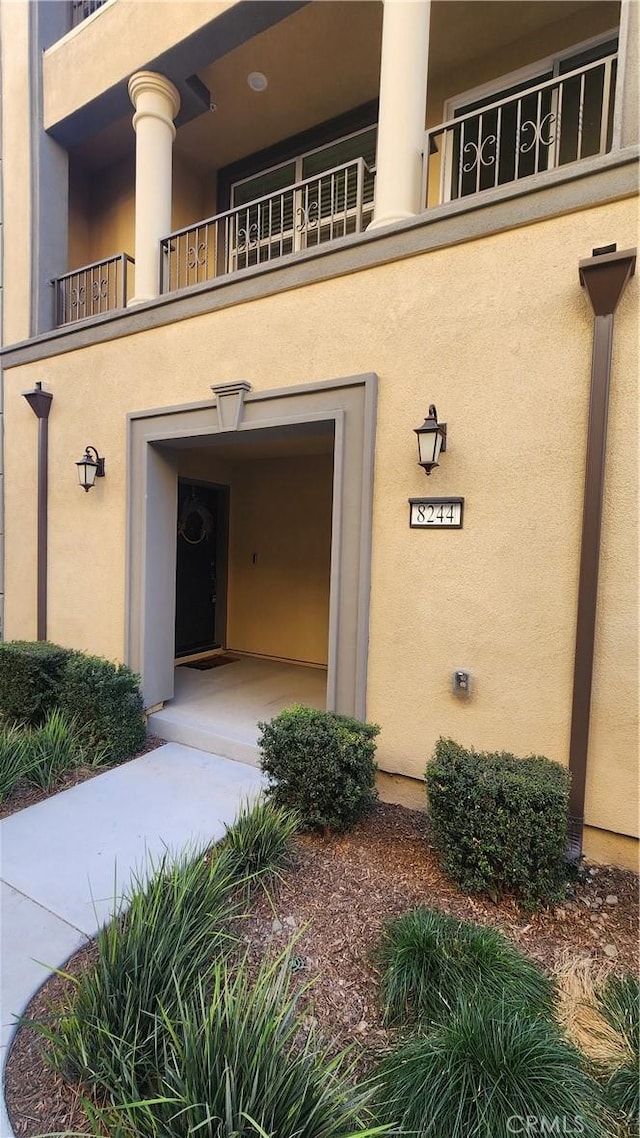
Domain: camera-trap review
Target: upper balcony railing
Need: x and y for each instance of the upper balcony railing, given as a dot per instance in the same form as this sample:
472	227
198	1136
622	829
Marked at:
81	9
562	120
312	212
93	289
526	132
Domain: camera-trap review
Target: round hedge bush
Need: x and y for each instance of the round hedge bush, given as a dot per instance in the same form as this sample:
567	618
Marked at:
321	765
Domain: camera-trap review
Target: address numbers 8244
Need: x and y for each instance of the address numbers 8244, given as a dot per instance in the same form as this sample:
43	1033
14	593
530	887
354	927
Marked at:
435	513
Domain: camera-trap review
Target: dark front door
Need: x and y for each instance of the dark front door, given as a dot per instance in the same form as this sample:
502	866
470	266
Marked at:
201	566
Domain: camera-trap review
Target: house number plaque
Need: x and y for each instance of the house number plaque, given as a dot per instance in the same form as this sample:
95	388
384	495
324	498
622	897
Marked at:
435	513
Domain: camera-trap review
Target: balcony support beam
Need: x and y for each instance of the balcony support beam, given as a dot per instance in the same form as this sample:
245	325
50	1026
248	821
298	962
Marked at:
403	95
157	103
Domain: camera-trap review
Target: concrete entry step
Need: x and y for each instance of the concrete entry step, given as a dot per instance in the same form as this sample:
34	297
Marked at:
176	728
219	710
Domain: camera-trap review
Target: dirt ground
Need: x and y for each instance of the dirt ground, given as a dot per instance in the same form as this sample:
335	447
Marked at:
334	902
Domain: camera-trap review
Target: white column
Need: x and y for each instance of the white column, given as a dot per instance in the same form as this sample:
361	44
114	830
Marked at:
401	119
626	125
157	103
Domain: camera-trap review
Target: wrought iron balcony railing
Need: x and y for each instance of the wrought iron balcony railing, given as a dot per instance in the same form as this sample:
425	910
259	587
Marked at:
313	212
93	289
562	120
81	9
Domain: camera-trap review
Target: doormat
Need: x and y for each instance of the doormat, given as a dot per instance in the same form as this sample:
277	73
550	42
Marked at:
208	662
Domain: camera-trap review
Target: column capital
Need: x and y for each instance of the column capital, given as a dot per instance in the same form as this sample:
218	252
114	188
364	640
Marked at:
162	91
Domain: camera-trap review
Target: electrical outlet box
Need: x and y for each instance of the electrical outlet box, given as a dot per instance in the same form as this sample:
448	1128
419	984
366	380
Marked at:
461	682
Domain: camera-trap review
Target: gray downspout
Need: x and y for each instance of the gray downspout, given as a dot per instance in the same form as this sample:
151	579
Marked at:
40	403
604	276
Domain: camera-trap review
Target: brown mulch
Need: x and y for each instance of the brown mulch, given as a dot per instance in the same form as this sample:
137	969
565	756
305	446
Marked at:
334	902
23	794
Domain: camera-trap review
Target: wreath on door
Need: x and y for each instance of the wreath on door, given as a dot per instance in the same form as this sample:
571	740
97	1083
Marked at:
196	522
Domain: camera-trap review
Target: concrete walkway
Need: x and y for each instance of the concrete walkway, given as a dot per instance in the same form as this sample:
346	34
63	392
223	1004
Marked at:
66	861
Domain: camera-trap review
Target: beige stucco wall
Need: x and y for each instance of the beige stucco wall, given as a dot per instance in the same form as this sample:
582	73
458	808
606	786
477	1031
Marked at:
16	170
102	208
497	333
79	222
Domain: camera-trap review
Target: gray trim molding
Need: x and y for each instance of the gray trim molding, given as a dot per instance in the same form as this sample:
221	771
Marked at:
570	189
348	402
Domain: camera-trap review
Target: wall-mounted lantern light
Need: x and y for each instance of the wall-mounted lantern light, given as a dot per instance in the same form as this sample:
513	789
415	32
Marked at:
432	440
90	467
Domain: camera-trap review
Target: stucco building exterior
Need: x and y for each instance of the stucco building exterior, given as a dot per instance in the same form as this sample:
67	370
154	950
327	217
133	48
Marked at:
245	247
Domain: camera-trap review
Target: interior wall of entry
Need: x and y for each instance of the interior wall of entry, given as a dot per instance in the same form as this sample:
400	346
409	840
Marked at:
299	535
279	550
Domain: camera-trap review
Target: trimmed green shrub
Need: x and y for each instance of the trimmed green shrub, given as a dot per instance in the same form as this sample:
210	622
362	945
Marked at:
105	700
175	925
619	1003
260	841
430	961
499	822
101	697
321	765
29	679
238	1060
483	1073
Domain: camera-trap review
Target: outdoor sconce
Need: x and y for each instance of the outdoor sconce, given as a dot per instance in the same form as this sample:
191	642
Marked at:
90	467
432	440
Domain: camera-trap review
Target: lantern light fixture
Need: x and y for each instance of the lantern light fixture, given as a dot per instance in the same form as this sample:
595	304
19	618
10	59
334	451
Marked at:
90	467
432	440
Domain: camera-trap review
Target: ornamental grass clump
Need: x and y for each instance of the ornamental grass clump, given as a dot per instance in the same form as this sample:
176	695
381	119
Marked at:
320	764
488	1071
260	841
14	758
500	822
618	1001
239	1058
176	924
431	961
53	749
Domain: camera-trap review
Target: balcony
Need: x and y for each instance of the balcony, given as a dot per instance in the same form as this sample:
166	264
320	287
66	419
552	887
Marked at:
93	289
268	175
307	214
556	122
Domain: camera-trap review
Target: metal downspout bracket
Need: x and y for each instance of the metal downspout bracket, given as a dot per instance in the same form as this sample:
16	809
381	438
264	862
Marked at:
604	276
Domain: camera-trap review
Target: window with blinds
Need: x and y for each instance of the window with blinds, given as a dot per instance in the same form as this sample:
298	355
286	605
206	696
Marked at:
320	195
